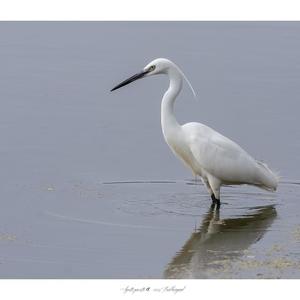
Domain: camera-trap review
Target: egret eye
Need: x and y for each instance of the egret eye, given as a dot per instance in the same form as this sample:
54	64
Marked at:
152	68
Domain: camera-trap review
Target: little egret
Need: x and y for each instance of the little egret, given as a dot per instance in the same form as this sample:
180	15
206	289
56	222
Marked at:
214	157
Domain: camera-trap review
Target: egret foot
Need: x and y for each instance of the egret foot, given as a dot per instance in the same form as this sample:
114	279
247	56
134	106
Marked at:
215	200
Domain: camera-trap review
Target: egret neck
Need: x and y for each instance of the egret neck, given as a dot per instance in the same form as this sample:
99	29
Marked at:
169	123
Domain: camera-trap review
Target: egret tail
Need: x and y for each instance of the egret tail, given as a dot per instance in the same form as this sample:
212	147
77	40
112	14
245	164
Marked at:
268	180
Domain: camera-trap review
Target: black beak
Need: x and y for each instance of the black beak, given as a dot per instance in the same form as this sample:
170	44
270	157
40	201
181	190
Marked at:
131	79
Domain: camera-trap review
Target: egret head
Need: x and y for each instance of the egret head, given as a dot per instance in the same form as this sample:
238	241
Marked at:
157	66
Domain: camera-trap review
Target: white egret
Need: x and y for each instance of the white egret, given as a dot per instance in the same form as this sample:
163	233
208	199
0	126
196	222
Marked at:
214	157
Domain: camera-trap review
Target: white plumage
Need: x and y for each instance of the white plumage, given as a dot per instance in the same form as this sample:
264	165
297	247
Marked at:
214	157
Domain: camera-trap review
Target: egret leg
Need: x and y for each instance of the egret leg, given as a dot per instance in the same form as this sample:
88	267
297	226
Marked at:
206	183
215	185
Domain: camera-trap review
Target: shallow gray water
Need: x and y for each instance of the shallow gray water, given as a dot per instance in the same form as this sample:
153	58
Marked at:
88	187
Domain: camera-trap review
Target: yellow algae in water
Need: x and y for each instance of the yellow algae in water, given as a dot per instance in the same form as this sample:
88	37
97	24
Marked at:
281	263
276	263
249	264
274	249
7	237
296	233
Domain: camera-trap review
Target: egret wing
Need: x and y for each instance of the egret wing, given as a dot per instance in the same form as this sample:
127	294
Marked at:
220	156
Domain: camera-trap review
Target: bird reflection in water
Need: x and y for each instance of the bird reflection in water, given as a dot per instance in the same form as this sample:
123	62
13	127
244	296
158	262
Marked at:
218	242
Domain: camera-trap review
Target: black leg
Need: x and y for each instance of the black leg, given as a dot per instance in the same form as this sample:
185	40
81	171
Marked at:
215	200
